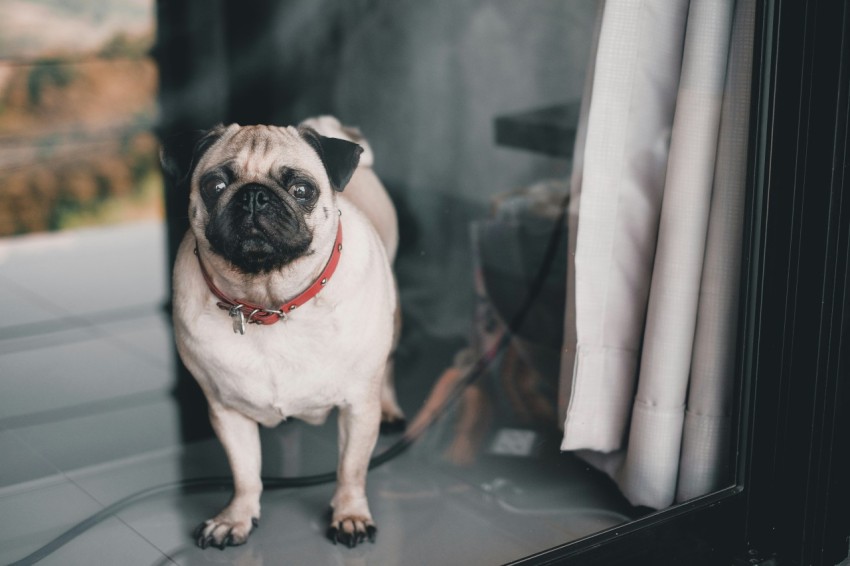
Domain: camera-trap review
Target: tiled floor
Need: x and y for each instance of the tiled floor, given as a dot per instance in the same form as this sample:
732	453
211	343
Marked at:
87	417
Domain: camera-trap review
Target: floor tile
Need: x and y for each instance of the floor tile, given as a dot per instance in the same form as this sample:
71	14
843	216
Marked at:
148	335
20	308
20	463
412	516
23	338
288	452
125	548
414	500
109	435
35	380
31	517
110	481
90	270
168	518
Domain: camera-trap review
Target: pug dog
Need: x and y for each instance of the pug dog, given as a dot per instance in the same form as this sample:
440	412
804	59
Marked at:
285	303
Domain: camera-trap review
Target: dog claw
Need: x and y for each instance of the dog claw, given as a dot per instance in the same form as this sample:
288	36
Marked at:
205	539
200	539
227	540
338	536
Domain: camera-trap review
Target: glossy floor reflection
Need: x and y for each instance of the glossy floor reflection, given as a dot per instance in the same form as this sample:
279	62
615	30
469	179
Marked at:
87	417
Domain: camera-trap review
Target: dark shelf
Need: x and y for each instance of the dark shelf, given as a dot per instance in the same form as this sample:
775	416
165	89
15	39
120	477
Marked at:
547	130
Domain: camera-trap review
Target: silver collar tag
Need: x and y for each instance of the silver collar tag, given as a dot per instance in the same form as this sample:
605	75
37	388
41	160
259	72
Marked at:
238	319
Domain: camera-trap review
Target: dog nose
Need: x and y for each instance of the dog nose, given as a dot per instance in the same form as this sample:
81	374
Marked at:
254	198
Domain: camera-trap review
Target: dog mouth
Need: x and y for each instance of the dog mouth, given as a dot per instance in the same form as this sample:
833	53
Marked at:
255	242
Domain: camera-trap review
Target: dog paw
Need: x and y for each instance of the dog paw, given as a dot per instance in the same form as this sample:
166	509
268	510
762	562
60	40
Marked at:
352	530
221	532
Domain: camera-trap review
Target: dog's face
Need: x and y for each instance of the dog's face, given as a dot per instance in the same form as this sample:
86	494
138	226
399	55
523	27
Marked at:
258	194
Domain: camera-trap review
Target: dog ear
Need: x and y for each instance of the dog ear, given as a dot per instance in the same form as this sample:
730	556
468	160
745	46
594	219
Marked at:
179	153
340	157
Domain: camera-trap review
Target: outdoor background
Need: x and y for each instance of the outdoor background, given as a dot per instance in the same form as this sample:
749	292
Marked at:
77	104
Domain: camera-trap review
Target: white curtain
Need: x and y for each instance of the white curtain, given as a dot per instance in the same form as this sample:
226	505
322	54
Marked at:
660	172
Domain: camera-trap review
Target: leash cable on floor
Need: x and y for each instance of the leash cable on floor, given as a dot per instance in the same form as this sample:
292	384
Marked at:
394	450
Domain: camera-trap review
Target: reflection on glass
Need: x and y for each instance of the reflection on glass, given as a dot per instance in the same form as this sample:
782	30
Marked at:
570	194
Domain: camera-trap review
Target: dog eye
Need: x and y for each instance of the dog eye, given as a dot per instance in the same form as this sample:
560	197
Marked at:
214	185
302	192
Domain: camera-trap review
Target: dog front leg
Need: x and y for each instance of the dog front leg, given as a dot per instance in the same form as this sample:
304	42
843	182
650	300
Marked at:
240	437
351	522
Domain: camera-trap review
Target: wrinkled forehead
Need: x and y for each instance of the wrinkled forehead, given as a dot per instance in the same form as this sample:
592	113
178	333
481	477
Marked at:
255	151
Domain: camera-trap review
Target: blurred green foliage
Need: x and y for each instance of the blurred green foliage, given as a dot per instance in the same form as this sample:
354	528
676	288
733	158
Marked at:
76	146
47	73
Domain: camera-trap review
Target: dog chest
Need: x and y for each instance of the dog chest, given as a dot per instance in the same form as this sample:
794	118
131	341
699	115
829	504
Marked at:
296	368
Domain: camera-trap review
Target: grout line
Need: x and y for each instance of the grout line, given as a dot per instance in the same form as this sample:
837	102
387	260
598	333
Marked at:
43	482
84	409
35	297
119	463
112	516
61	476
46	341
137	351
37	455
93	323
66	319
69	321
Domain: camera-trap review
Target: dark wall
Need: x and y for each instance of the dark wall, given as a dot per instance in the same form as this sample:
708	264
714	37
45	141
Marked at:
423	81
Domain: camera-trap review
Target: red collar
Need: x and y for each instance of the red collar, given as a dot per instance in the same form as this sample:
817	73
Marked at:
243	312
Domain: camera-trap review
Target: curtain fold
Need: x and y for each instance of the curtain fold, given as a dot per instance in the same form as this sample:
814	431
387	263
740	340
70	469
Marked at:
630	117
706	450
658	245
568	353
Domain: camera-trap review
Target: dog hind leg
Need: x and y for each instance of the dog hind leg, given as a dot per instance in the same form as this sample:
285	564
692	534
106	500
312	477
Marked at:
392	417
